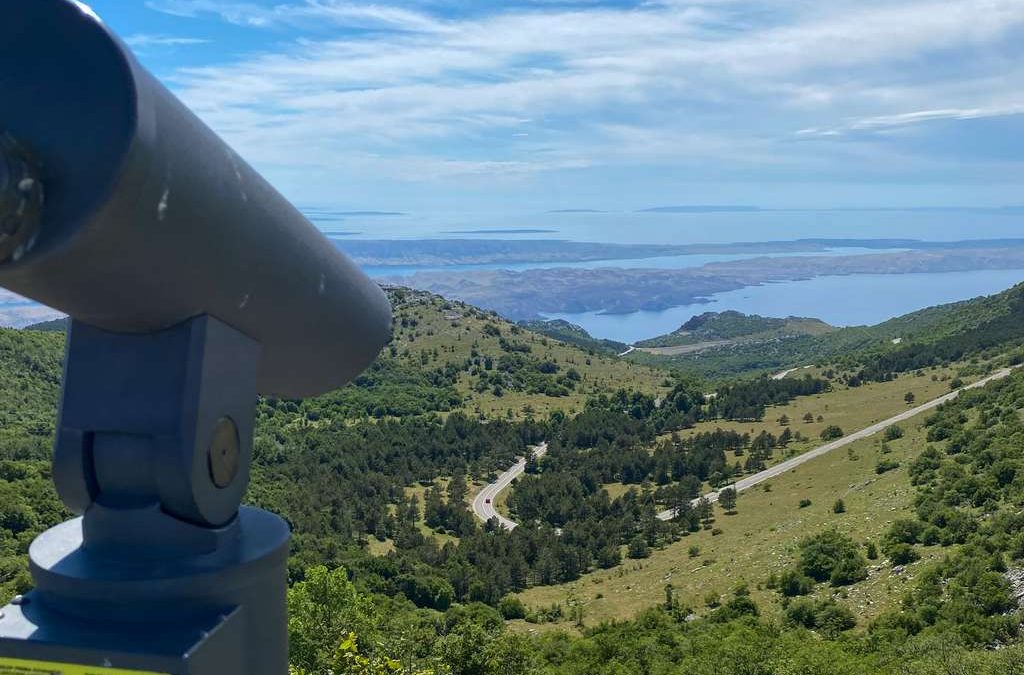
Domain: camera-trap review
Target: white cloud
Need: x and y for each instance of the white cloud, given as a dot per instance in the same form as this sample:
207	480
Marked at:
668	83
311	12
143	40
883	122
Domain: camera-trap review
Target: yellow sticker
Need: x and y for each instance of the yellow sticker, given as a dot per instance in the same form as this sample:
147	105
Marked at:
20	667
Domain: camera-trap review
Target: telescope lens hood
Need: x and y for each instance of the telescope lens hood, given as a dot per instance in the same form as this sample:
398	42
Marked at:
150	219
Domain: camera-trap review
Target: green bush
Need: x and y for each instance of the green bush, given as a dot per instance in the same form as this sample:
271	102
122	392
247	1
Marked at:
893	432
886	465
638	548
510	607
792	584
902	554
831	433
828	616
832	556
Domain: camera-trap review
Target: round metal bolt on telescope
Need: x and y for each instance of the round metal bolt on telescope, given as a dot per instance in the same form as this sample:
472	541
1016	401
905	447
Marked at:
224	453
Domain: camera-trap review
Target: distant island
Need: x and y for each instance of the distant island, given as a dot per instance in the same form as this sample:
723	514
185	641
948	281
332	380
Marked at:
530	294
332	215
510	231
455	251
703	208
371	213
577	211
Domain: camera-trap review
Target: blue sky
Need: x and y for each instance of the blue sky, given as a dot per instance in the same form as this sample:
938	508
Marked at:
476	105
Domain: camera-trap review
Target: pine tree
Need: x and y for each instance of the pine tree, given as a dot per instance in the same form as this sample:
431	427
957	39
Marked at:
727	499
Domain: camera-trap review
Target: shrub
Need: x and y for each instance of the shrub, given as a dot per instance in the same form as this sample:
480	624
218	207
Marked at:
638	548
848	571
792	583
832	618
902	554
511	607
893	432
886	465
832	556
839	506
804	503
905	531
831	433
828	616
931	536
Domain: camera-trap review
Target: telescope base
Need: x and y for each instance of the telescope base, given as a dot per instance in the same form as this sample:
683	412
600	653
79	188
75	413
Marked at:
218	613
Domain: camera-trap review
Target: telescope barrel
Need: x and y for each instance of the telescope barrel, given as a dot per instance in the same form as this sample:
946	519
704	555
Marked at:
150	219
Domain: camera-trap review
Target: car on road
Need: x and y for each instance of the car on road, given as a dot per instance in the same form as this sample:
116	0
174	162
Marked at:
487	501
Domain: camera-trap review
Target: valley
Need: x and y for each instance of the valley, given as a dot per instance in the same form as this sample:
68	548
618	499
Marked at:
378	480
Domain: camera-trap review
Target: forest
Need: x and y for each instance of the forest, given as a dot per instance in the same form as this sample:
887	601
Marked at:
960	616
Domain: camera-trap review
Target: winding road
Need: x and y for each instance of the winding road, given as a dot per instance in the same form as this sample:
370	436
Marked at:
789	464
483	503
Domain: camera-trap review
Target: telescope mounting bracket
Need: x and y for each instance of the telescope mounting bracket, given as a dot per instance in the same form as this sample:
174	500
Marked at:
163	572
155	431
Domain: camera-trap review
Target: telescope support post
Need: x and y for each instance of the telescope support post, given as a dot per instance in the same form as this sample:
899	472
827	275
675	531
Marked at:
163	572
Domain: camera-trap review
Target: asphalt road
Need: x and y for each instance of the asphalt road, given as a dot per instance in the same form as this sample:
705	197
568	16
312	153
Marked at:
483	503
789	464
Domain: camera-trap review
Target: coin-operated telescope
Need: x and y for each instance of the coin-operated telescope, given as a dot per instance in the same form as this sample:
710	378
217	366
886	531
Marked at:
192	286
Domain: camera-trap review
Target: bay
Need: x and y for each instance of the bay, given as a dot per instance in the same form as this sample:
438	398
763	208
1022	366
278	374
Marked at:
853	300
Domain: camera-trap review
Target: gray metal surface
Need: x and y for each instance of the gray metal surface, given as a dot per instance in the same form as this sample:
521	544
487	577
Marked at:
163	554
139	414
151	219
219	613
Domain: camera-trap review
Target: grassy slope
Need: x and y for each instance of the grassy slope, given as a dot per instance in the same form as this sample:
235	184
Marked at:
737	328
761	539
455	329
574	335
978	317
849	408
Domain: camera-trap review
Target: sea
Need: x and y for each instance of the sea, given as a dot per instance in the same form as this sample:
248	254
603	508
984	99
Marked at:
841	301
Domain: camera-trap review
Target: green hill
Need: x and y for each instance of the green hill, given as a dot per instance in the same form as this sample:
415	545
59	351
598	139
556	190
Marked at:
52	326
934	335
560	329
734	327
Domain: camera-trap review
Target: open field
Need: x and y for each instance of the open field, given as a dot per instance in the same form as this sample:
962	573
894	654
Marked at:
761	539
849	408
676	350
